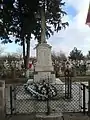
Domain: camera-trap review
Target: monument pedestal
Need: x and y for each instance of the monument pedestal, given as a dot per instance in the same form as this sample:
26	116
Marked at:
44	68
53	116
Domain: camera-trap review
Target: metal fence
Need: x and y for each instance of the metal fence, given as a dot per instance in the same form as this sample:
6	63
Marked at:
85	97
18	101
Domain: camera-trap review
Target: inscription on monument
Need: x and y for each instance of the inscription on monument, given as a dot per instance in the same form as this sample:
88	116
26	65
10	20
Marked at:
44	62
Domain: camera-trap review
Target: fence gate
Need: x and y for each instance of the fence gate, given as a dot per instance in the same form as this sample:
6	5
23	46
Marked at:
18	101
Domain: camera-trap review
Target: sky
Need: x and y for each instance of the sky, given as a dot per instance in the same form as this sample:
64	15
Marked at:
76	35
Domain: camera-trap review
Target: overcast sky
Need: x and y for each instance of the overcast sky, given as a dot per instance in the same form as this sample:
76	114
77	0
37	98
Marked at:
76	35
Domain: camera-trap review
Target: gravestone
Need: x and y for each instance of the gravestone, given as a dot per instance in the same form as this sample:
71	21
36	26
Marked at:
88	68
44	67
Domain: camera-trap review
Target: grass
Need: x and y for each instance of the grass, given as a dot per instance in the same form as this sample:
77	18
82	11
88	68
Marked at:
62	78
14	81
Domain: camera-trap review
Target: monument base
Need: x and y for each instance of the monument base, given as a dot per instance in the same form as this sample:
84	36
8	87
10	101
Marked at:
40	76
52	116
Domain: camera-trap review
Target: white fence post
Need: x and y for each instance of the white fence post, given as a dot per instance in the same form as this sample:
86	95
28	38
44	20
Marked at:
2	99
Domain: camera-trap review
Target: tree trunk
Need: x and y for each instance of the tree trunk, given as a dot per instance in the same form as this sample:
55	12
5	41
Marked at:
24	55
27	57
22	35
28	52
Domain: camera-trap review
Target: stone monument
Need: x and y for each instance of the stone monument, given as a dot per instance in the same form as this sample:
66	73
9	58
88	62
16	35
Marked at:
44	67
44	70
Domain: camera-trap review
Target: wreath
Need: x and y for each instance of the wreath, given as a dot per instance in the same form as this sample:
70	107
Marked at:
41	91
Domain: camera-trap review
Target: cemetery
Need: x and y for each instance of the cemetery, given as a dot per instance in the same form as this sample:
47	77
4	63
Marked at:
48	86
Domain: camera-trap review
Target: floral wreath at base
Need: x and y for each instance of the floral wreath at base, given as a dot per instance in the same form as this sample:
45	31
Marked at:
41	91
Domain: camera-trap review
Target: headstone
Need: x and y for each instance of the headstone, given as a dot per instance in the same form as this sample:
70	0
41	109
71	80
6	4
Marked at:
88	68
44	67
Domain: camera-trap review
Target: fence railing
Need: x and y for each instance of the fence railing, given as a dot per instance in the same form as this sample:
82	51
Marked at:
19	101
86	98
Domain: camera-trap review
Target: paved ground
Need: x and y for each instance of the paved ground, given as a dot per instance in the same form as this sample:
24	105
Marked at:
76	116
72	116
